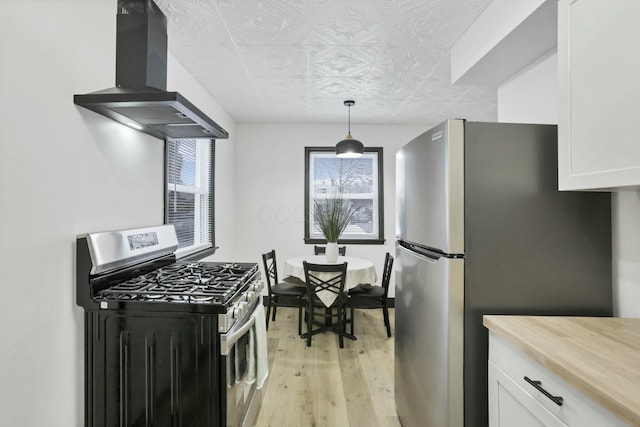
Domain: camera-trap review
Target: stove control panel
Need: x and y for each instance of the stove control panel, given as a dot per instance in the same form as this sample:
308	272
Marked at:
241	306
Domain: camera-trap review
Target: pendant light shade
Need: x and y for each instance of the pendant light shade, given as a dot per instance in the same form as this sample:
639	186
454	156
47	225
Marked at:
349	147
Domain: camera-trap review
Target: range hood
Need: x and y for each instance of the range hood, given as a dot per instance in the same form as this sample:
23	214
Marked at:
140	99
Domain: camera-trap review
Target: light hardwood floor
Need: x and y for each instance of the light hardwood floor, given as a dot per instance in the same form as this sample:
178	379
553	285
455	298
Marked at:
325	385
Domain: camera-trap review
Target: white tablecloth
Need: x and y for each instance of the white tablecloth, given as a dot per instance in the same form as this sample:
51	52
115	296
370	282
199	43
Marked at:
359	270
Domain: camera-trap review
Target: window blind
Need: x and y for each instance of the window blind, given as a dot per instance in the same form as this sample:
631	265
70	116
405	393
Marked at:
189	198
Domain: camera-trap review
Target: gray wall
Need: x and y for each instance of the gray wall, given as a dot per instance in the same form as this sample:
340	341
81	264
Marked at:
531	96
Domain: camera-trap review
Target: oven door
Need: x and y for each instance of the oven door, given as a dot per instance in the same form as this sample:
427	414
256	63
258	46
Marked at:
240	396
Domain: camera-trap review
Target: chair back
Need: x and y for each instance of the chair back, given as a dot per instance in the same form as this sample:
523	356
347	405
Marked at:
321	250
270	268
327	278
386	274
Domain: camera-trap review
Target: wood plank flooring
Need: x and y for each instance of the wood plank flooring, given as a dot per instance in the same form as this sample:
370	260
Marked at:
325	385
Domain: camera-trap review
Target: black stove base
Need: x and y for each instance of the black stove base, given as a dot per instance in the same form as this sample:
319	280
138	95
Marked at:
152	369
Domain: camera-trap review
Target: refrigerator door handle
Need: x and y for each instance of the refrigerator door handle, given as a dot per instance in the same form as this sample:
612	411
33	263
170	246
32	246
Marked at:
424	254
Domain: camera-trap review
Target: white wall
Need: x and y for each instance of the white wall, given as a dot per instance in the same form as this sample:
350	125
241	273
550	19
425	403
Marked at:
64	171
626	253
531	96
270	185
179	79
506	37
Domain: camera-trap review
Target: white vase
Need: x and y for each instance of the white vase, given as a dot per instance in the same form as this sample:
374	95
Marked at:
332	252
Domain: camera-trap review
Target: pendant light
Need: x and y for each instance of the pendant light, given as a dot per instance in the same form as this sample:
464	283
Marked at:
349	147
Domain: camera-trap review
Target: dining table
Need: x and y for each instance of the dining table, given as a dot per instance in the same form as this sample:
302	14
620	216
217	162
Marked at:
359	271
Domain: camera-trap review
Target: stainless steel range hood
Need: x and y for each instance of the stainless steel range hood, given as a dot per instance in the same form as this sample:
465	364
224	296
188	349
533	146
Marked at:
140	99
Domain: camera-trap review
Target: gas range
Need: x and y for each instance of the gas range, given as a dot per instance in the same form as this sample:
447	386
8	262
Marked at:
165	340
137	270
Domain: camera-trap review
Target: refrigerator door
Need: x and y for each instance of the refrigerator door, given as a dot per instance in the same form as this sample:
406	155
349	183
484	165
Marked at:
430	189
429	341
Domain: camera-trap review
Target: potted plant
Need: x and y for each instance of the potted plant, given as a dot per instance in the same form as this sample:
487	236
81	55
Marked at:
333	215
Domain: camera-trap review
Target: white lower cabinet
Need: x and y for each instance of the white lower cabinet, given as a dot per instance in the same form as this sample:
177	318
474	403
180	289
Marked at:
516	402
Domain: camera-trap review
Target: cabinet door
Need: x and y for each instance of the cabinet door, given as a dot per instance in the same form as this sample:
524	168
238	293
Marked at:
599	65
510	405
151	369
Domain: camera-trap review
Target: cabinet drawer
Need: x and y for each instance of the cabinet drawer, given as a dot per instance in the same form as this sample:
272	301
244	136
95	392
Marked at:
511	405
575	409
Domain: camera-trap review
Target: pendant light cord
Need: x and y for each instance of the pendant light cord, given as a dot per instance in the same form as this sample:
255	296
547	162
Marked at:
349	147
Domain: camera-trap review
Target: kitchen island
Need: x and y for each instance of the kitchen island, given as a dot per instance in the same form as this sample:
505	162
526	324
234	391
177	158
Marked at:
564	370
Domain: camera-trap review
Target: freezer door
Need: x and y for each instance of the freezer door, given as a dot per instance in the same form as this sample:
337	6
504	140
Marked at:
429	340
430	188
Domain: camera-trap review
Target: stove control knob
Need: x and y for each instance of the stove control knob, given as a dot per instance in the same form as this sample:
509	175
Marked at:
235	314
243	308
239	310
258	286
250	296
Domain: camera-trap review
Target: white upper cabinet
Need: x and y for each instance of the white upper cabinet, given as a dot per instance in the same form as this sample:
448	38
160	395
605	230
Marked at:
599	85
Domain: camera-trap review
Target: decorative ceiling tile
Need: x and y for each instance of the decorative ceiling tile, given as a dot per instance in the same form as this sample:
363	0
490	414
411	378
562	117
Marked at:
401	62
298	60
335	87
439	26
263	23
341	61
405	7
349	23
282	87
442	71
192	24
390	88
275	60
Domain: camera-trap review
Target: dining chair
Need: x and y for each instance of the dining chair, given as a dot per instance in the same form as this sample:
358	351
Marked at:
281	294
325	298
321	250
366	296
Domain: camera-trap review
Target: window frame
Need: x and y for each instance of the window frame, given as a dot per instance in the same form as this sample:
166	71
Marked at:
201	253
380	240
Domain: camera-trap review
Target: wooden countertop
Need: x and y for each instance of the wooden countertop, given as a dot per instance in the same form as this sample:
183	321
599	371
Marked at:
600	356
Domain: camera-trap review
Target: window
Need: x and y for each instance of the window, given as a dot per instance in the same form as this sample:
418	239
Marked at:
358	180
189	197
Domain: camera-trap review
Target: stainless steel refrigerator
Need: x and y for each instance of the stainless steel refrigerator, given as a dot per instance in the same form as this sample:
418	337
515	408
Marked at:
482	229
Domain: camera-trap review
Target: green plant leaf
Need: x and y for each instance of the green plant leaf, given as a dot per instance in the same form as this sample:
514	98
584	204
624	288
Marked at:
333	215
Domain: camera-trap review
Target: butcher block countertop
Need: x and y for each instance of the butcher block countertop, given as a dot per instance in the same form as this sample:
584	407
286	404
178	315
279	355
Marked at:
600	356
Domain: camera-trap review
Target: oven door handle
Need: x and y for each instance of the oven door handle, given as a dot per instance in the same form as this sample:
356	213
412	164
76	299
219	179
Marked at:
227	341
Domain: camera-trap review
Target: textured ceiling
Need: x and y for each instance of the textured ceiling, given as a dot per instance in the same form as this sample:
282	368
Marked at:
298	60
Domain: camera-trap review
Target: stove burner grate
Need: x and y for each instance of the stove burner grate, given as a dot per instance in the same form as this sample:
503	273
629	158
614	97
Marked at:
198	283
